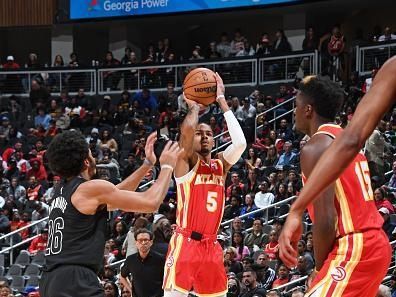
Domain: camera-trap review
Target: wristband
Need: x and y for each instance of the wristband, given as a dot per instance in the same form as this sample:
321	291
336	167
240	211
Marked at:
166	166
220	96
148	162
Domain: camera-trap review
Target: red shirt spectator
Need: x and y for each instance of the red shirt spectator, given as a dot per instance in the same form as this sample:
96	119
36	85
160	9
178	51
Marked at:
11	63
25	233
235	182
39	243
380	201
38	170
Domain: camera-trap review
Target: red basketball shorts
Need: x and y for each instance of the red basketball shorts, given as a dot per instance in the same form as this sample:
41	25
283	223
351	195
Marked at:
195	266
355	267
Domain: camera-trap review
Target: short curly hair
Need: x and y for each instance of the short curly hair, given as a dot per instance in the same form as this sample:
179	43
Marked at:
66	153
324	95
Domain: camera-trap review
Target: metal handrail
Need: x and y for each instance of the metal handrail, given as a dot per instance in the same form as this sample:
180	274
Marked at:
19	243
259	210
23	228
291	283
268	223
271	109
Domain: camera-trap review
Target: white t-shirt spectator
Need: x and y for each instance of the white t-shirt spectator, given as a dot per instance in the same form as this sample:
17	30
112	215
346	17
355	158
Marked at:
264	199
383	38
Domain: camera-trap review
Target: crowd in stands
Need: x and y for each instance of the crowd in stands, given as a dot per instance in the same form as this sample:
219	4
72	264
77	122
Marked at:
116	130
337	58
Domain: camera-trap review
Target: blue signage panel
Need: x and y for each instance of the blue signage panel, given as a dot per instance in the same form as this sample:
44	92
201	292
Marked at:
86	9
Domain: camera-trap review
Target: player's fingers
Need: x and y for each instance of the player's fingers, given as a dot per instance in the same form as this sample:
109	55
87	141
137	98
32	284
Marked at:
174	147
152	138
167	146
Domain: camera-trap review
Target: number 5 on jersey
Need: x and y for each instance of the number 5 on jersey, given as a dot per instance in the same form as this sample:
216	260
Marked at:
211	202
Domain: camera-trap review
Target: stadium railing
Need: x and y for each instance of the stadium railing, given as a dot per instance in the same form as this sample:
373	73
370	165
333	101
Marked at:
284	69
278	112
370	57
8	238
18	82
235	73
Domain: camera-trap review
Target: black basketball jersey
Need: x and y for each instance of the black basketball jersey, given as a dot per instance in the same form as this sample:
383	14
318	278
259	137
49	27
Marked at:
74	238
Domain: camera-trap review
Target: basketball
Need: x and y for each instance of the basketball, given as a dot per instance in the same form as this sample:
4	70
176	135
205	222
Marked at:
200	86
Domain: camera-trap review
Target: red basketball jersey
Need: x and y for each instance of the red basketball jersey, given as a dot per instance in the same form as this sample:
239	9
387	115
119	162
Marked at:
354	199
200	198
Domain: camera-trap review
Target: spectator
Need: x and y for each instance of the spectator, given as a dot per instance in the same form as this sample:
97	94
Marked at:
288	158
264	198
241	250
253	162
381	201
233	209
34	191
37	170
146	268
282	44
234	287
235	266
238	39
265	274
284	132
264	47
310	42
376	146
119	233
391	185
42	119
39	95
39	243
107	141
49	194
257	238
248	110
249	207
252	185
383	291
302	251
110	289
252	287
224	46
146	101
272	248
4	222
212	51
196	54
387	36
301	270
237	109
272	157
41	211
235	181
129	244
282	276
17	192
388	226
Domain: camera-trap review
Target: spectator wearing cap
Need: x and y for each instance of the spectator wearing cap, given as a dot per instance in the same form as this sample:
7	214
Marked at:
288	158
381	201
146	101
12	82
387	226
257	238
39	243
5	127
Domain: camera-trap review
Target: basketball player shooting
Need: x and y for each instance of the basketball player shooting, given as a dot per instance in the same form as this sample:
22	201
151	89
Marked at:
195	258
352	252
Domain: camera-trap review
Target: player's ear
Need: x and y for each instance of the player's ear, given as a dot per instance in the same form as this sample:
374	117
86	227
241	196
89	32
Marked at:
86	164
308	109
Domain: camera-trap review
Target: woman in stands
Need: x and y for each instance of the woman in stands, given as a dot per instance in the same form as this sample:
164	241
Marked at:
253	161
241	250
272	157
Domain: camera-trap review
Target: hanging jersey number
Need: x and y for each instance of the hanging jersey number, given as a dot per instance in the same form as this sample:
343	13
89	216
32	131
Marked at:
211	202
55	236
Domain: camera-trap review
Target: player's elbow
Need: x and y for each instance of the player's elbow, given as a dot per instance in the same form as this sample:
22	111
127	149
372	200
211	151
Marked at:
240	144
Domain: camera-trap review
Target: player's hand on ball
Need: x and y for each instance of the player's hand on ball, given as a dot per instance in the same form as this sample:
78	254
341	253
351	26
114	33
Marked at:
171	153
220	86
290	235
149	148
191	103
